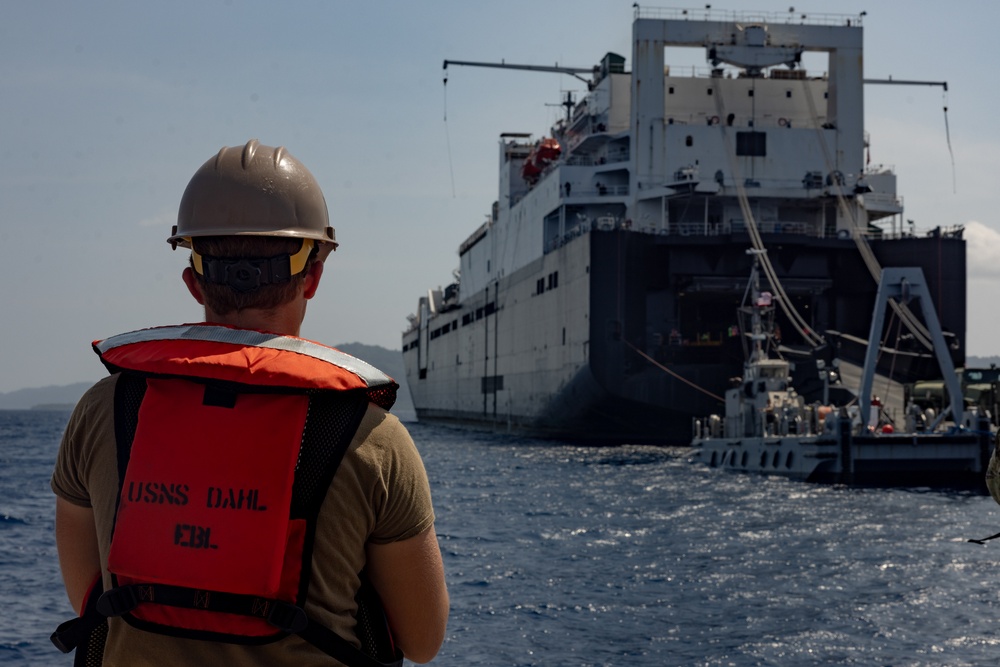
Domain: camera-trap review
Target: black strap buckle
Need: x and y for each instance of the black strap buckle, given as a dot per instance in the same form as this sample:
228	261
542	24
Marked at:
69	635
287	617
247	274
117	601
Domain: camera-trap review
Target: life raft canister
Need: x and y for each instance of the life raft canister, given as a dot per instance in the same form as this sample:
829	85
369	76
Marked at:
224	476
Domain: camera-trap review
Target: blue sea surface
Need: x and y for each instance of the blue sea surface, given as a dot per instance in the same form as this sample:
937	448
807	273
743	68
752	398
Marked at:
31	594
564	555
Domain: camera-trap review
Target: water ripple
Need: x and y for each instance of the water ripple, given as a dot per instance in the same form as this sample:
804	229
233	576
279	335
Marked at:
567	555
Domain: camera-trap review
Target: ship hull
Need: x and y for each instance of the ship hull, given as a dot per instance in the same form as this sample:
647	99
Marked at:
957	459
619	336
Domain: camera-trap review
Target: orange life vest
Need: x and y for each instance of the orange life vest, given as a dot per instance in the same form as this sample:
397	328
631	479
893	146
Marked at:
222	469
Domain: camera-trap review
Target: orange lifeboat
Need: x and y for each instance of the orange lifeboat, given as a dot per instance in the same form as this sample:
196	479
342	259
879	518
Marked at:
542	154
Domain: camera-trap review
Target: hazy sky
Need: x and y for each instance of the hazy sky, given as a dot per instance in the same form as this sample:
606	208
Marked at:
108	108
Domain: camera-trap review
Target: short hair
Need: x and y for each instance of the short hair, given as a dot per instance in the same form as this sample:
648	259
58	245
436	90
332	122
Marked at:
223	299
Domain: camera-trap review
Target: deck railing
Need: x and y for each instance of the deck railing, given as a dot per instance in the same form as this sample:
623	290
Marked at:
696	229
738	16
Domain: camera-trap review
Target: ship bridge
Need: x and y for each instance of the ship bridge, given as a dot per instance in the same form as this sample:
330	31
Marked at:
762	127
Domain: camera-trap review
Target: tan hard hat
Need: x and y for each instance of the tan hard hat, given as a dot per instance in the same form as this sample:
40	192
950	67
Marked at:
257	191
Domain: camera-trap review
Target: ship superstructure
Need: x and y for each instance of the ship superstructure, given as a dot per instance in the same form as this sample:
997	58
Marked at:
597	300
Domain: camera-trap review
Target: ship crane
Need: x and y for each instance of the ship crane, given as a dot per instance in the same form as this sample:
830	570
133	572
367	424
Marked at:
919	331
594	71
575	72
557	68
944	91
905	82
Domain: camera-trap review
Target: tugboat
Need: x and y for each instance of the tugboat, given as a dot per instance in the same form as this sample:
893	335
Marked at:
768	428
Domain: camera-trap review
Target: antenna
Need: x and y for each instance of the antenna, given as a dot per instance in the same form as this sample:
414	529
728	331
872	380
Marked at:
567	103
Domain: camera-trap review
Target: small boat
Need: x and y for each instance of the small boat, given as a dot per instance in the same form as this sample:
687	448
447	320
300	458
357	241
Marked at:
541	156
768	428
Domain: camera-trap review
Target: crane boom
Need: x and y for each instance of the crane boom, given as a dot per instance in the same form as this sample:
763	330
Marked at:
572	71
903	82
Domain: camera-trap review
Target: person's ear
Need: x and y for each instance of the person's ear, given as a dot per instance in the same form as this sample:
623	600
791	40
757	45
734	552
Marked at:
191	280
311	282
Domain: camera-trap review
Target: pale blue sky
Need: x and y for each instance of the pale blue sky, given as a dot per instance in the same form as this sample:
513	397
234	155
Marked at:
109	107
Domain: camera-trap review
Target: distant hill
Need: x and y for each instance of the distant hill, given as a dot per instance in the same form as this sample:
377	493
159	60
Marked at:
389	362
66	396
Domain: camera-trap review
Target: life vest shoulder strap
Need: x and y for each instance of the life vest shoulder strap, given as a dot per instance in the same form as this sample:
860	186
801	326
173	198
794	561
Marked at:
130	389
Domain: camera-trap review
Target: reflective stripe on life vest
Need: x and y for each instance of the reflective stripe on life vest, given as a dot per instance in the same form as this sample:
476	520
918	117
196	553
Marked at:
218	352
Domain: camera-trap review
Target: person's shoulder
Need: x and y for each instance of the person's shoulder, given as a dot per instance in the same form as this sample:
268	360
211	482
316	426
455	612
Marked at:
96	403
382	440
101	392
382	429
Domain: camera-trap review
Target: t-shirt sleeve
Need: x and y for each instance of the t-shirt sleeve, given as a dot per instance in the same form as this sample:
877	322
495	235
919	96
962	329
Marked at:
993	471
403	507
86	426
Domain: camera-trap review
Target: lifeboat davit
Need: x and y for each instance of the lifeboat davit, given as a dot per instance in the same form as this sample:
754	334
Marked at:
542	154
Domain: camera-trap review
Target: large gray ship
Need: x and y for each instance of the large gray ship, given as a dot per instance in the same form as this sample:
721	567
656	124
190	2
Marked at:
597	302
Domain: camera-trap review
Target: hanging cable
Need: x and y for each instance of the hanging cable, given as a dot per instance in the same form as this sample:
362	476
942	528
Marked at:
800	325
670	372
916	327
947	136
447	135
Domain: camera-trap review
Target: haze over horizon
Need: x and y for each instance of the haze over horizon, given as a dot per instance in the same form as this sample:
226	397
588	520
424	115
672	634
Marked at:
111	106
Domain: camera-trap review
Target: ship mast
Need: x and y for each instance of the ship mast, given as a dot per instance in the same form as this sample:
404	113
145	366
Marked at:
758	303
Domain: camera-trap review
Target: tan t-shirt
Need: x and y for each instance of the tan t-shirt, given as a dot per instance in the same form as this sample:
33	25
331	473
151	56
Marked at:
993	471
380	494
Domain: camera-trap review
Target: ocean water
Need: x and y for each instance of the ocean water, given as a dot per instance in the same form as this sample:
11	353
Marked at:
565	555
